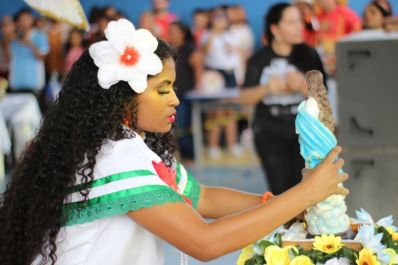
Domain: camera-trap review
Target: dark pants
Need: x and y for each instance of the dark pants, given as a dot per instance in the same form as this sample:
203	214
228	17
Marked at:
229	77
280	159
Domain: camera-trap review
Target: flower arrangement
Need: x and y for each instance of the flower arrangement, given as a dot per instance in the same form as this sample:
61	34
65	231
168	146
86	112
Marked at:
378	246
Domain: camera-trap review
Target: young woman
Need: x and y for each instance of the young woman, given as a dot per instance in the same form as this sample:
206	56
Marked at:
375	14
99	183
275	83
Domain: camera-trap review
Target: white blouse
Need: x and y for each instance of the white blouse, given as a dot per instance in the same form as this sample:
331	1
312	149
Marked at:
127	176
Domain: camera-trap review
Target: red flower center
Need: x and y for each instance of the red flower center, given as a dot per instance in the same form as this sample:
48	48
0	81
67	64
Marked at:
130	56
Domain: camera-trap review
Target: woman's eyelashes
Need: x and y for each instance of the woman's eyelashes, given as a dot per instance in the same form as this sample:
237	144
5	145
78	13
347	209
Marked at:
163	91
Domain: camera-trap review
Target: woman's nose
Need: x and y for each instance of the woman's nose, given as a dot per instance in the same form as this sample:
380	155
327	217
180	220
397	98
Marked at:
174	99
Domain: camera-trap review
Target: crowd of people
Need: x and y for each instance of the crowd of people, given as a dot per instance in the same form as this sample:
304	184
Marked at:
36	53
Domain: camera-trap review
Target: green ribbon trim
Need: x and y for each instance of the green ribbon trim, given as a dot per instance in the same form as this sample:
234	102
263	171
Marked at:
113	177
192	189
118	203
132	199
178	170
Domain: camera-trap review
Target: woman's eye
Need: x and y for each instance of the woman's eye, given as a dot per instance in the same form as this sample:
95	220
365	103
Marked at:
163	92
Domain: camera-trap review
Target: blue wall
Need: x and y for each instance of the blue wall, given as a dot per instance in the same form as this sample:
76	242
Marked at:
133	8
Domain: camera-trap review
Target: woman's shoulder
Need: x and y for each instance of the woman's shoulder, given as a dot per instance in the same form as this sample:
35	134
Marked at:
125	155
260	55
303	47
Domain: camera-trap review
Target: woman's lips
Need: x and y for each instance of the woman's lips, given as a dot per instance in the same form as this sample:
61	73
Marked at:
172	118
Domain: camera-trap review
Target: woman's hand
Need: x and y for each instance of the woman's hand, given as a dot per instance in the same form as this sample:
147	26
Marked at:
276	85
296	82
322	181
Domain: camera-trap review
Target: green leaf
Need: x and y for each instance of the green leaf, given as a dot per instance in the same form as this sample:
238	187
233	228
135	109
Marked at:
295	252
250	261
264	244
278	240
260	260
350	254
255	260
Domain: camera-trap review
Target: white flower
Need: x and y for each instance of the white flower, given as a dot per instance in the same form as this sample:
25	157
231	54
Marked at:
295	232
338	261
126	55
368	239
364	217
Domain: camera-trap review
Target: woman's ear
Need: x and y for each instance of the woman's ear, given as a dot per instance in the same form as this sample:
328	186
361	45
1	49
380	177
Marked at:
275	32
129	109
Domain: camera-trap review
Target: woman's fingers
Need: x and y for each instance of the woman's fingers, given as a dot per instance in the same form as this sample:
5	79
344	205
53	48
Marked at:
333	154
339	163
343	177
342	191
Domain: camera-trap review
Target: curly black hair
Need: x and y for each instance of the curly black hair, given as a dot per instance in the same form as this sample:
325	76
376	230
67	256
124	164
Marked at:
81	120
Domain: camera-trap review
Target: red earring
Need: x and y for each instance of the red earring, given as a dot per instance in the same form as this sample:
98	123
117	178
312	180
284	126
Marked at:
127	122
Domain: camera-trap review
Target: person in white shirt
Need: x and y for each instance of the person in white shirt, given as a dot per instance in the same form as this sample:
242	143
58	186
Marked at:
222	54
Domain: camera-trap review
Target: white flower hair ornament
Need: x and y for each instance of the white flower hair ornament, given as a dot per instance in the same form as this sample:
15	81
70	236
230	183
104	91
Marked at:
127	55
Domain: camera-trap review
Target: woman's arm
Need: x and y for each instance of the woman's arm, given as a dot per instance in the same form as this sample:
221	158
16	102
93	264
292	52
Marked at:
183	227
217	202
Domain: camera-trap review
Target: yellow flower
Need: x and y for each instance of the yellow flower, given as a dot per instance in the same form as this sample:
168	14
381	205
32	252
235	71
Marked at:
301	260
246	254
393	234
366	257
275	255
328	243
392	255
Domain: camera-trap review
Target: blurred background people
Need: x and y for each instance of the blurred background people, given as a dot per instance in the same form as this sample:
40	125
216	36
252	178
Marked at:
7	35
242	32
189	67
310	21
200	22
55	59
391	24
27	55
147	21
74	47
99	25
335	21
162	18
222	54
375	14
275	83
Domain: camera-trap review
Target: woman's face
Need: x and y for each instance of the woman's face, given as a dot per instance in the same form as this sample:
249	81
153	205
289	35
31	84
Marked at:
290	27
200	20
157	104
176	35
25	21
220	21
76	39
373	17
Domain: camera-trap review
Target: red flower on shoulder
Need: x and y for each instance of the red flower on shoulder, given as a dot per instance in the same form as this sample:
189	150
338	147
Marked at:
168	175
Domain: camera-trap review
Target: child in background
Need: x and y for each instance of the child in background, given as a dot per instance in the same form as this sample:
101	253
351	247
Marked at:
75	46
